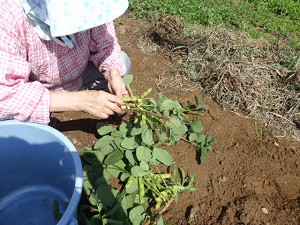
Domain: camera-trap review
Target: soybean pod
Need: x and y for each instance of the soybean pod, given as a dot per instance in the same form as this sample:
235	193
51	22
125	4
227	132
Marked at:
142	187
129	182
146	93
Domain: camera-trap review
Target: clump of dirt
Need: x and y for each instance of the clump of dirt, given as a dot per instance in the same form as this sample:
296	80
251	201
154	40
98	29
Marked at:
241	73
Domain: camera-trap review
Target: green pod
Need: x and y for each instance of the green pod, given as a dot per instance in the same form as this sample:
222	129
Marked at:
129	182
158	203
130	99
164	195
136	120
142	187
146	93
144	119
165	176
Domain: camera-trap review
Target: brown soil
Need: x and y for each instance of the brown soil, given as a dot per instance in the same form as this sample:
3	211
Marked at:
249	178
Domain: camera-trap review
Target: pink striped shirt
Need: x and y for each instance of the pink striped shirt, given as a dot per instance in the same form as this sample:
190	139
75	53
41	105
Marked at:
30	67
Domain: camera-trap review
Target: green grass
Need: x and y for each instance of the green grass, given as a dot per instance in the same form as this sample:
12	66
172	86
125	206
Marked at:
272	19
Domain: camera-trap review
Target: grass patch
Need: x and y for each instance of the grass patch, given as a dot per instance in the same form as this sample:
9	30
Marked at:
271	19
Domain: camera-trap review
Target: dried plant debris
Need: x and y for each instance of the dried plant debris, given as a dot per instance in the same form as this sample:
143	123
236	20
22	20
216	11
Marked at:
252	75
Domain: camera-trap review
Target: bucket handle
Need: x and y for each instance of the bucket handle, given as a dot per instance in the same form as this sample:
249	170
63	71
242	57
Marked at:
73	221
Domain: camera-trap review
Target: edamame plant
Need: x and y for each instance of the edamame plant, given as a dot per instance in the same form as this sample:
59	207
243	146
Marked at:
128	177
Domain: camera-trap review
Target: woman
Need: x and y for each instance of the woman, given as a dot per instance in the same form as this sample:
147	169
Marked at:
51	51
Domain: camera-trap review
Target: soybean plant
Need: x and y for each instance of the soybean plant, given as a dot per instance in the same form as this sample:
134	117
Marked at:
128	177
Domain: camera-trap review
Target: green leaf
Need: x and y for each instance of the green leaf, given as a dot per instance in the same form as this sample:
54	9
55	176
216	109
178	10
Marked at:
196	100
129	156
176	126
195	127
56	213
87	149
125	128
209	148
115	171
147	136
117	212
191	189
106	194
124	176
127	202
107	149
182	174
191	181
104	141
143	154
136	214
130	143
144	166
162	136
168	104
154	162
128	78
112	221
103	128
175	137
200	107
118	141
136	130
93	199
96	219
86	183
210	139
194	137
93	157
160	221
94	176
113	157
163	156
133	187
203	155
201	139
138	171
118	133
188	104
151	101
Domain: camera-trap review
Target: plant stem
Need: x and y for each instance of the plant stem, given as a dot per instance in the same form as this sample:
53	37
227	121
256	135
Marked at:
190	142
148	221
130	91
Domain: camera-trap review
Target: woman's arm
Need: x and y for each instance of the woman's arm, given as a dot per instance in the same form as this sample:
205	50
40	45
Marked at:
19	98
97	103
106	51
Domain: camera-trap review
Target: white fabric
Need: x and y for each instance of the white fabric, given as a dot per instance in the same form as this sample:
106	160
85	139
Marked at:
55	18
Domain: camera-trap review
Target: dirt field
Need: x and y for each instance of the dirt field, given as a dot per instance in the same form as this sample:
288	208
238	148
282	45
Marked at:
249	178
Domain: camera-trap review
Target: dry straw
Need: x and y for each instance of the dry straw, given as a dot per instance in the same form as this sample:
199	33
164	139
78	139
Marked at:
241	73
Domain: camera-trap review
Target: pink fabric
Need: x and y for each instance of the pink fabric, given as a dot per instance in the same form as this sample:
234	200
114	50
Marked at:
30	67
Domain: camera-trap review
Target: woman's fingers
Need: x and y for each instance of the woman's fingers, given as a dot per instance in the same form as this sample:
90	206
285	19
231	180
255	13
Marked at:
115	99
114	107
100	103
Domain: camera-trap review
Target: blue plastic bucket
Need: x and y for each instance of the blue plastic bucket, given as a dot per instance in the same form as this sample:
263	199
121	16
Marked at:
39	167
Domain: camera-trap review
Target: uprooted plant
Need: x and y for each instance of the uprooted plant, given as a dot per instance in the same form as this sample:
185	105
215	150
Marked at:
128	177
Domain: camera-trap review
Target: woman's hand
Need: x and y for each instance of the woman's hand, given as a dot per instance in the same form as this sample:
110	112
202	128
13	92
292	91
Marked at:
116	85
98	103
